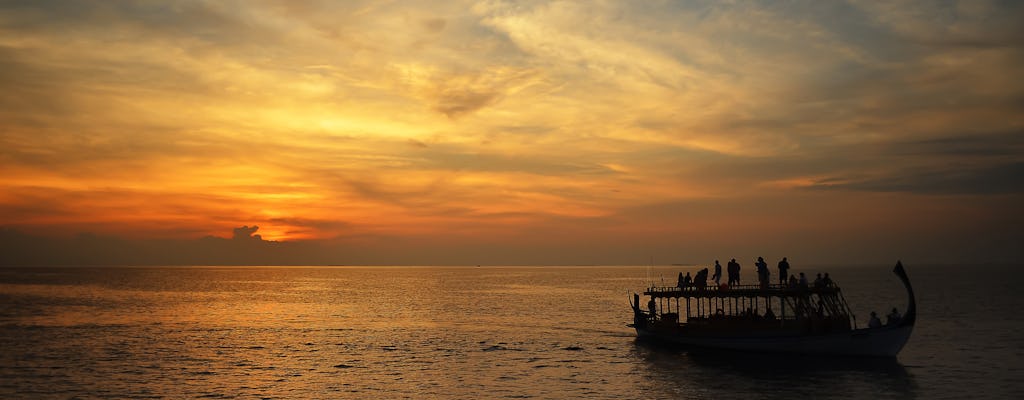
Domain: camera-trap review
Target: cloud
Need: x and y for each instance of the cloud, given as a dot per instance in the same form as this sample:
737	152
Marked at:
246	233
458	94
979	145
434	25
993	180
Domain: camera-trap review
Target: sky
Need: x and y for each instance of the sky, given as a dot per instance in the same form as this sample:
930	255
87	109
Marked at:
511	132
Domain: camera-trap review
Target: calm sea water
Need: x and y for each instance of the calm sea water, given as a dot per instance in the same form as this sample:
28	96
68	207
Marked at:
463	332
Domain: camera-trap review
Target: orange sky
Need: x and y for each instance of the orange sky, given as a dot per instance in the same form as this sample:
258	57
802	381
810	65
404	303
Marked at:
591	132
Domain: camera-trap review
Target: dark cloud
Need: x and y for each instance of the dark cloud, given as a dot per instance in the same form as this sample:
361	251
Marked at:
460	94
979	164
434	25
246	233
458	101
992	180
976	145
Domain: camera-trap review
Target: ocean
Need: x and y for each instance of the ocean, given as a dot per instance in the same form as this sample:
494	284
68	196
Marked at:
465	332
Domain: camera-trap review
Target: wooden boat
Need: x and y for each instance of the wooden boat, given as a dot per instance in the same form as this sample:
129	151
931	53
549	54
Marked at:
811	320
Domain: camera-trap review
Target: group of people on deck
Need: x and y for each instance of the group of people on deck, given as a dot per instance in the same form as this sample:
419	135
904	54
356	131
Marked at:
763	276
699	281
893	318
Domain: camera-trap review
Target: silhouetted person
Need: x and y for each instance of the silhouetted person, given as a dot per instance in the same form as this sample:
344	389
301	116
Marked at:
893	318
793	282
818	282
874	322
769	315
718	273
783	270
679	281
687	280
828	281
762	272
652	306
701	279
803	281
734	272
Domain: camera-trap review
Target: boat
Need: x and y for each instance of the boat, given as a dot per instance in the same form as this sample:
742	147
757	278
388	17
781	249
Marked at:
768	318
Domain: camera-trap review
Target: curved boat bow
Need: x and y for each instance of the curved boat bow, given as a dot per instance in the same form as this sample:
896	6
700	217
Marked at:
911	315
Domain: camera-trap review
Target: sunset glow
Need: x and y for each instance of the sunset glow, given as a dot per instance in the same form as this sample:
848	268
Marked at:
520	132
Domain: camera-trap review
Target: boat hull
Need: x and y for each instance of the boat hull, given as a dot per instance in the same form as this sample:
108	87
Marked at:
885	341
871	342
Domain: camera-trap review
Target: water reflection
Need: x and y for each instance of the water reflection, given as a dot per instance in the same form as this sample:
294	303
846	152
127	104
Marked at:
696	374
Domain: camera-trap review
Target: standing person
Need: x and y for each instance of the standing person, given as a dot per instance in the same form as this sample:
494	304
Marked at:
762	272
783	270
731	270
718	273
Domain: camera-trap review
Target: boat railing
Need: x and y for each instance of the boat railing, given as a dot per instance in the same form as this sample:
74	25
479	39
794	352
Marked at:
770	289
